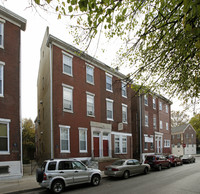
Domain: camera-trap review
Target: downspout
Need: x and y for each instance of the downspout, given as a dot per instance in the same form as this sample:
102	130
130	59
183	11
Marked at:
140	107
51	102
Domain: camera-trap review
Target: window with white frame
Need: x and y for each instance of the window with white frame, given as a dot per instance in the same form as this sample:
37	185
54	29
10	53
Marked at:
109	82
109	109
167	143
154	103
154	122
90	74
166	108
64	139
90	104
124	91
82	140
1	34
187	135
146	120
167	126
192	135
146	100
4	136
160	105
67	98
67	64
124	113
1	78
145	145
120	144
161	125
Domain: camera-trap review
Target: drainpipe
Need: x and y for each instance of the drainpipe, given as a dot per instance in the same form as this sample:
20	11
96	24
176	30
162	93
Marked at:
51	102
140	107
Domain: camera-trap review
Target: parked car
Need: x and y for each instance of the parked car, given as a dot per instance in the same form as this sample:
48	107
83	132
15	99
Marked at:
157	162
174	160
125	168
188	159
59	173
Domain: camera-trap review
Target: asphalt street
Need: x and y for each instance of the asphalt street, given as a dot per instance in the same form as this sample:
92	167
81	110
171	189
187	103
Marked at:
176	180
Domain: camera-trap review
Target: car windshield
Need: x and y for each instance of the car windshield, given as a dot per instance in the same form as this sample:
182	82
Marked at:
150	158
118	163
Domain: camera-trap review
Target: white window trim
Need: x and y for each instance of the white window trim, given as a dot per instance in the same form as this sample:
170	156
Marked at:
166	108
123	83
93	95
92	75
109	75
146	99
68	55
160	106
161	124
154	119
2	64
167	126
2	22
166	143
71	88
154	103
109	100
121	143
66	127
124	105
6	121
146	124
84	129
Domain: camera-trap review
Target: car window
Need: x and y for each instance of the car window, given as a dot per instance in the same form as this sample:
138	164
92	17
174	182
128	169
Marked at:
52	166
136	162
78	165
43	166
130	162
65	165
150	158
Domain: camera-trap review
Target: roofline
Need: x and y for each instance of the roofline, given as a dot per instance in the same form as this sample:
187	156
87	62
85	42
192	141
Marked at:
13	17
91	60
183	129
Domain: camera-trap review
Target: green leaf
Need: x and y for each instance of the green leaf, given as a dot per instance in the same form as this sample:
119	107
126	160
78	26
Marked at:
70	8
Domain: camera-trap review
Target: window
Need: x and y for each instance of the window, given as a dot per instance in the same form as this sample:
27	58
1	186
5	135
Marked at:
67	98
145	100
124	91
145	145
83	140
52	166
154	103
187	135
154	122
160	105
108	82
67	64
65	165
166	108
146	120
90	74
167	143
178	136
161	126
109	108
90	104
1	34
4	136
120	144
124	113
192	135
167	126
1	78
64	139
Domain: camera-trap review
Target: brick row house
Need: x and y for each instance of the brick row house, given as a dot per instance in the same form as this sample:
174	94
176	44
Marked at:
183	140
84	107
10	97
151	123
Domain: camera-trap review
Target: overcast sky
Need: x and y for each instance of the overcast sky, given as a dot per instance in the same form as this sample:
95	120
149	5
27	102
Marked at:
30	48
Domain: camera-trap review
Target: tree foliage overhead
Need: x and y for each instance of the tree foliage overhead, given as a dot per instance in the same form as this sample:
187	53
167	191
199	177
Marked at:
195	122
179	118
161	37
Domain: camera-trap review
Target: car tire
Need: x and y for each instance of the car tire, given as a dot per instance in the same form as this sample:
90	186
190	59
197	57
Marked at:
193	161
175	164
39	175
169	165
146	170
57	186
159	168
126	174
95	181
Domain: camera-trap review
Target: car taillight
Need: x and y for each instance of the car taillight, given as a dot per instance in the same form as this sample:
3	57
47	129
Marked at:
44	176
115	169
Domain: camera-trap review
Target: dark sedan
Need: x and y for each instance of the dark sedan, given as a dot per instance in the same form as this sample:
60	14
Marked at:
188	159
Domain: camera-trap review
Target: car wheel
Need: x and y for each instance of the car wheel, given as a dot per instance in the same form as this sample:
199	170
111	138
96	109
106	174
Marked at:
57	186
175	164
169	165
194	161
159	168
126	174
95	180
146	170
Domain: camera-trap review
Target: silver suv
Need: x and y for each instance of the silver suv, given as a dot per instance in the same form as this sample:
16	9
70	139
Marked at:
56	174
